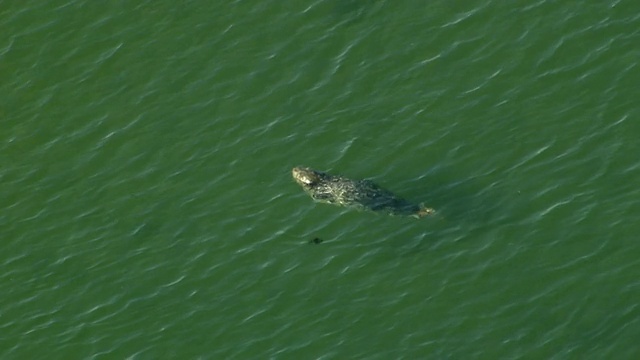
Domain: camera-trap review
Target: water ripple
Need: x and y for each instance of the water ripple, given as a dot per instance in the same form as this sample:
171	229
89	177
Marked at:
155	205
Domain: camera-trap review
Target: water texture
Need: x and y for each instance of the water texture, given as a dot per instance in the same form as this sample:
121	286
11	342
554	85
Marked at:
147	209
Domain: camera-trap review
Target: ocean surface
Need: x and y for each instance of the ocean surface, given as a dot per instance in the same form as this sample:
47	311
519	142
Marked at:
147	209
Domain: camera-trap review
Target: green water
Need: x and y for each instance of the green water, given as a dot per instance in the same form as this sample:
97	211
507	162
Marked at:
147	209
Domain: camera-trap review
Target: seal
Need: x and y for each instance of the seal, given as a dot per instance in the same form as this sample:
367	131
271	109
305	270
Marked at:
358	194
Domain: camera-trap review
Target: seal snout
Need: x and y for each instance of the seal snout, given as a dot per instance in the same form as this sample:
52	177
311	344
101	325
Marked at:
297	172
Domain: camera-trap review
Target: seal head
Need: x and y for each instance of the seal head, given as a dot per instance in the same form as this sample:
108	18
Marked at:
306	177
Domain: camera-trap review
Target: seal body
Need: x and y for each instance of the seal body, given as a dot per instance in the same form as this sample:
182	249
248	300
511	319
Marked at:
359	194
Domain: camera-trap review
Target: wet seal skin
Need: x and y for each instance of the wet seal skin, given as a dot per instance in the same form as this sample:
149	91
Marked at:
358	194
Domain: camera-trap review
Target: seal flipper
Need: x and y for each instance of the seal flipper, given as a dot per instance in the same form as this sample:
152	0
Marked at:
424	211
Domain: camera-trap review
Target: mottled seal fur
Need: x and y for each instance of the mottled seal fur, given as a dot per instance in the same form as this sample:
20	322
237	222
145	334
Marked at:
359	194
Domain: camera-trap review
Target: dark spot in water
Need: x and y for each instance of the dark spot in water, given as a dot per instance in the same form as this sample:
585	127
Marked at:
315	240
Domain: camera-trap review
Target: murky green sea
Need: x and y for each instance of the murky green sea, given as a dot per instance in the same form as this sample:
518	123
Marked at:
147	209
